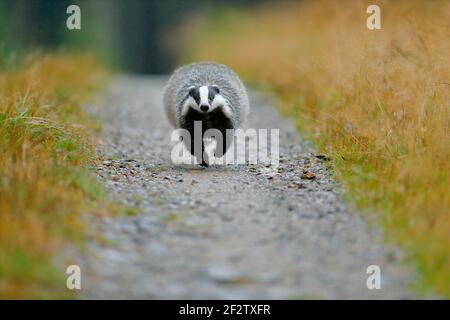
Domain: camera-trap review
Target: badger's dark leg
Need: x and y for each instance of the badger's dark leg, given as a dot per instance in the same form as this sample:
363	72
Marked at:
188	123
196	151
205	160
223	124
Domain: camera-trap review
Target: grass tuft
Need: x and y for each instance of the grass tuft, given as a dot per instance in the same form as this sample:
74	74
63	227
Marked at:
45	183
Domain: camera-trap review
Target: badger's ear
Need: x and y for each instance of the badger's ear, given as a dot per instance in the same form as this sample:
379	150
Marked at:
216	88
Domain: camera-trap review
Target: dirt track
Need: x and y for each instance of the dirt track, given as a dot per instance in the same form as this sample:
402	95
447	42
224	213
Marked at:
231	232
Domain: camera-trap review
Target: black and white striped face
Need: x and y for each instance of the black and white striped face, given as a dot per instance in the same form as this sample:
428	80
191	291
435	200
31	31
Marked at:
205	99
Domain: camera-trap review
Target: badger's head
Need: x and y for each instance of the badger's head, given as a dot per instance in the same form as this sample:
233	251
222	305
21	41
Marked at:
205	99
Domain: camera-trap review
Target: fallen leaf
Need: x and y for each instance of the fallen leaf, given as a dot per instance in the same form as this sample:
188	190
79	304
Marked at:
308	175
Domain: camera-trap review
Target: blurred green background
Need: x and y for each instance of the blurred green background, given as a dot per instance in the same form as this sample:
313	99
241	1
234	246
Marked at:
135	36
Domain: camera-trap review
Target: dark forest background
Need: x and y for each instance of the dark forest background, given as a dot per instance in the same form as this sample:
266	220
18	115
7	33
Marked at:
132	35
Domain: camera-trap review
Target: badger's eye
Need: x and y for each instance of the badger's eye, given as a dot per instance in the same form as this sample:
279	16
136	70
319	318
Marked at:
211	95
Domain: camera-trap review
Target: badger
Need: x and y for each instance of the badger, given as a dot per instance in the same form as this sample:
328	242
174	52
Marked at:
211	93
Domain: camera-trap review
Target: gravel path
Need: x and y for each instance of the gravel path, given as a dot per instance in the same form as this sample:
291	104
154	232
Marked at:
228	232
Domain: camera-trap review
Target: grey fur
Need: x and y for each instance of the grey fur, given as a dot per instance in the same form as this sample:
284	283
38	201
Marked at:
204	74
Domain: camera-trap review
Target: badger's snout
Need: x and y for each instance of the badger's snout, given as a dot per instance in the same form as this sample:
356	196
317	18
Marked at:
204	108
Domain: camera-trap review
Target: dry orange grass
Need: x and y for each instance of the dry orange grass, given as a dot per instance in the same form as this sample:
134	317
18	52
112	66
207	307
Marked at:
377	101
44	184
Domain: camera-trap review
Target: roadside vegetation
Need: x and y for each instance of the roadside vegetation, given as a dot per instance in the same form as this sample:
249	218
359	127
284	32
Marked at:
376	102
45	155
